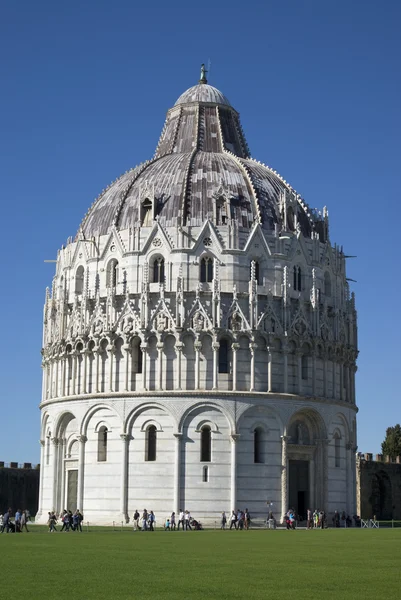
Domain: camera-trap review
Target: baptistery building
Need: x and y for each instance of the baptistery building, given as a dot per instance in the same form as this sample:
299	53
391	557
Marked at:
200	339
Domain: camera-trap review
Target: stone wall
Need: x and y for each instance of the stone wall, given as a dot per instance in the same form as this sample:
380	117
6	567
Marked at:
19	488
379	487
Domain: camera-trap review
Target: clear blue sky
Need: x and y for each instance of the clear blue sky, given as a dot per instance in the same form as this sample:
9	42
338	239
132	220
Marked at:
84	91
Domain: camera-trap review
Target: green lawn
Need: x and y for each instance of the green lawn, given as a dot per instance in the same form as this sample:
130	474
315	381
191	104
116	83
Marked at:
105	564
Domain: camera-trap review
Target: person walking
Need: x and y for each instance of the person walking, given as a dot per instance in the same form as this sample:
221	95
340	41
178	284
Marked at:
6	521
144	520
233	520
17	521
187	520
172	521
247	519
223	520
23	521
181	520
151	520
136	520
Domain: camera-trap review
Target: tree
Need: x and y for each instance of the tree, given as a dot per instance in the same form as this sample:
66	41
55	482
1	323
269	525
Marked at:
392	442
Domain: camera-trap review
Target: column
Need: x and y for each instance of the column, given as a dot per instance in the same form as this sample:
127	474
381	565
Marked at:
54	462
284	477
198	347
51	378
269	368
234	438
234	348
85	371
63	369
299	357
349	477
285	357
56	362
179	347
41	476
61	485
322	483
74	371
110	353
81	472
312	501
314	373
159	376
125	438
325	376
342	381
215	347
96	351
334	378
252	348
144	348
43	382
177	473
126	348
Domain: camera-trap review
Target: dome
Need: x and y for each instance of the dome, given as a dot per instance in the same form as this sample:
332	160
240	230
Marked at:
202	93
202	155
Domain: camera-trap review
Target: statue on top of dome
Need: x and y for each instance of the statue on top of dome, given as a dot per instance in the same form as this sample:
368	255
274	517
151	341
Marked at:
203	74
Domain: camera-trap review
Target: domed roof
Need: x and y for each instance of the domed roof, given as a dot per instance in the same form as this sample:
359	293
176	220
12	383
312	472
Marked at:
202	159
203	92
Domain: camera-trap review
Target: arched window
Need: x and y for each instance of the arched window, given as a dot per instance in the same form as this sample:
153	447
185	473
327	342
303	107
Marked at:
151	438
206	444
255	271
258	445
79	280
102	444
290	219
205	474
337	450
304	361
224	366
297	279
147	213
158	270
206	270
327	284
136	356
112	273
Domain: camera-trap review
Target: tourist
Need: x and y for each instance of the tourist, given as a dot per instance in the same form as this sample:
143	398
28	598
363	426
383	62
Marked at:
6	521
187	518
309	522
144	520
23	521
167	524
271	520
240	519
151	520
181	520
172	521
233	520
223	520
247	519
52	522
136	520
17	520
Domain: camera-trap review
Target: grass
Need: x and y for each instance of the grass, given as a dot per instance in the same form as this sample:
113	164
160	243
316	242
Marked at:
281	565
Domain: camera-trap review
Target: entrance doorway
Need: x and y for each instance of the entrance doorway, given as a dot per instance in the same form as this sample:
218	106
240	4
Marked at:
299	487
72	489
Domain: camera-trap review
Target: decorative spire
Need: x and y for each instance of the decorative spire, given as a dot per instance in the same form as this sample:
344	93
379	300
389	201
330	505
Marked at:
203	74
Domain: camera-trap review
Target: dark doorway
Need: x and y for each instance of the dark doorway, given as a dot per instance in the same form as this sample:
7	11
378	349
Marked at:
299	487
72	489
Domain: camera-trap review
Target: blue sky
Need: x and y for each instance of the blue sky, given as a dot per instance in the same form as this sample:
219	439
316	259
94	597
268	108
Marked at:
84	91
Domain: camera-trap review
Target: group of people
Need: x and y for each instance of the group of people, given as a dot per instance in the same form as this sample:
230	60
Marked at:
71	521
239	519
147	521
21	519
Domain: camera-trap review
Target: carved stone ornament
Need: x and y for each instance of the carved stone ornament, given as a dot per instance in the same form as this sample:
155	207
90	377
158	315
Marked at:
198	321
